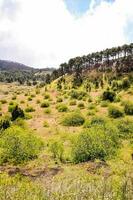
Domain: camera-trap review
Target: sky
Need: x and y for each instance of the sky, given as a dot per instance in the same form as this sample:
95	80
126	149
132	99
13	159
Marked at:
46	33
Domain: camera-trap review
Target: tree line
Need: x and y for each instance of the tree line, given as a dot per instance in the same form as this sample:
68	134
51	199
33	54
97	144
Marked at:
119	55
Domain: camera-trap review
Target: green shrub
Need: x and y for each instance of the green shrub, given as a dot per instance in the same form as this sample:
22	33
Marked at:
4	123
115	111
74	94
73	103
95	121
3	101
91	113
59	100
45	104
14	97
33	95
81	105
47	111
108	95
104	103
62	108
29	109
17	113
18	146
38	101
125	127
128	107
92	106
11	103
45	124
94	143
46	96
11	107
125	83
22	101
57	149
73	119
29	98
28	116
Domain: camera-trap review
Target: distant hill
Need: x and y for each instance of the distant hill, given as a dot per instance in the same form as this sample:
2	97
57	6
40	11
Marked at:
13	66
6	65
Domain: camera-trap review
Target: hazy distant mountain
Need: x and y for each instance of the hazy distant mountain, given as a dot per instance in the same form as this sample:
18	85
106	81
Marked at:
6	65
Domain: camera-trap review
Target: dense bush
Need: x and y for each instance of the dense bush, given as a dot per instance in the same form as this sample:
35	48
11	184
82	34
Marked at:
18	146
73	119
29	109
4	123
125	83
74	94
96	120
45	104
59	100
128	107
62	108
81	105
17	113
95	143
11	107
47	111
3	101
57	149
72	103
108	95
46	96
125	127
115	111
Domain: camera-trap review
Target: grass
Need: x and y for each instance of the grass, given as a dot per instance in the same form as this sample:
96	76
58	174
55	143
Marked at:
110	178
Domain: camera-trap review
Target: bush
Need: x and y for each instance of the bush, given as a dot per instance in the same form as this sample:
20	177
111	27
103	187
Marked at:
104	103
72	103
11	107
14	97
17	113
3	101
59	100
62	108
57	149
47	111
115	111
29	98
38	101
46	96
92	106
73	119
29	109
95	121
18	146
94	143
128	108
125	127
74	94
108	95
45	124
4	123
45	104
125	83
81	105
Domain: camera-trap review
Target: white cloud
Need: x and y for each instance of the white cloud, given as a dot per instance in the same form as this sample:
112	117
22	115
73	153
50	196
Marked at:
43	33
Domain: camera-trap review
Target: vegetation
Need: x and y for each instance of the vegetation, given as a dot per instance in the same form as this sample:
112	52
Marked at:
115	111
68	134
18	146
73	119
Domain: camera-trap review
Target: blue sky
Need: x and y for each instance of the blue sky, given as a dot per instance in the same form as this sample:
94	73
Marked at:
79	7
